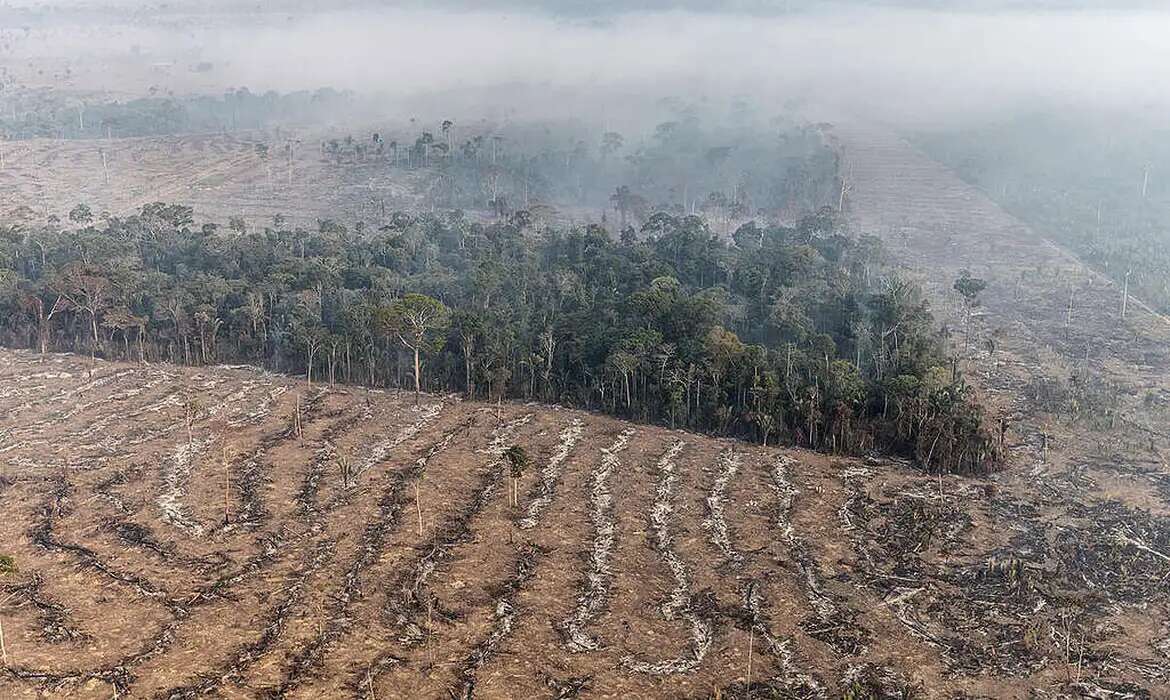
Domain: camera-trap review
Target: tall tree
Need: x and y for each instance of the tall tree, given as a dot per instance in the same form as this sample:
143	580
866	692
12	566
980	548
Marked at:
420	323
87	289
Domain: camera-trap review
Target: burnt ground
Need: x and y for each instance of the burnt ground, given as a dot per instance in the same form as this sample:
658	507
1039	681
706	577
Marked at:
238	561
1056	571
218	175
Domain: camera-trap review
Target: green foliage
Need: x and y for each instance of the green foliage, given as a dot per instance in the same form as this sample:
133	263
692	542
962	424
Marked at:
518	460
794	334
419	321
969	287
7	565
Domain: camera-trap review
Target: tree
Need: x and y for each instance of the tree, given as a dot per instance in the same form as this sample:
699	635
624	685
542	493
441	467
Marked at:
611	142
81	214
312	337
28	297
468	326
548	345
419	322
518	461
445	127
969	288
88	290
123	321
723	349
625	201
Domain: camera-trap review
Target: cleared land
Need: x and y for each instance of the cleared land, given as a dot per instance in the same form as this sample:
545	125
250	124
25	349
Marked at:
374	553
240	558
1079	522
219	175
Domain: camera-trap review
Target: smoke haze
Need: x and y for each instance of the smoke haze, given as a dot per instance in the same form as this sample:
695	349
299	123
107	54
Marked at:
910	66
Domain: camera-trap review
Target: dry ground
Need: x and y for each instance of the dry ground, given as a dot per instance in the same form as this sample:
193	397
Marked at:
1082	512
219	175
237	560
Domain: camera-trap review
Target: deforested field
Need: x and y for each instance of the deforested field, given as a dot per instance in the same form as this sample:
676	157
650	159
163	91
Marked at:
218	175
372	551
223	532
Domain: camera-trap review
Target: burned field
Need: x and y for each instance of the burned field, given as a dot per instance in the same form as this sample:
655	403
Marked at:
534	214
251	175
181	532
1060	562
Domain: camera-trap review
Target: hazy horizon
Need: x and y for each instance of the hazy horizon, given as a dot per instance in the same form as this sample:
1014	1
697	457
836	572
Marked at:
911	67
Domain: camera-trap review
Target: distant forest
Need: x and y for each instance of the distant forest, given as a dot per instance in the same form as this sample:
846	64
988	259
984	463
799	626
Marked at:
730	174
779	334
731	169
45	113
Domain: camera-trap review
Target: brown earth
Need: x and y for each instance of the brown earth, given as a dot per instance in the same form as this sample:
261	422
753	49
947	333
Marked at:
237	561
1082	510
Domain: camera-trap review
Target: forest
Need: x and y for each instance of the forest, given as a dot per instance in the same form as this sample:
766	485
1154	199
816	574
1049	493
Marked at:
729	169
45	113
779	334
727	163
780	349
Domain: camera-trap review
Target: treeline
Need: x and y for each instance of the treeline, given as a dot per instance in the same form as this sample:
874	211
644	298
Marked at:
730	166
730	169
782	334
45	113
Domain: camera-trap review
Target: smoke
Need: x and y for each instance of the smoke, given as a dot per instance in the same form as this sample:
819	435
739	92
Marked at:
912	67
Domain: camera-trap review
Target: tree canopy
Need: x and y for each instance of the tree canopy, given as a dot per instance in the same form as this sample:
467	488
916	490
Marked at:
795	334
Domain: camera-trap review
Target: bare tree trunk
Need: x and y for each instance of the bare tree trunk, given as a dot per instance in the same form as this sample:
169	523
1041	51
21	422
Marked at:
1125	294
96	340
297	418
417	380
467	373
751	638
227	488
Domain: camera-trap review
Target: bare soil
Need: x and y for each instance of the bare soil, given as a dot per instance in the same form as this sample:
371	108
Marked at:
219	175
